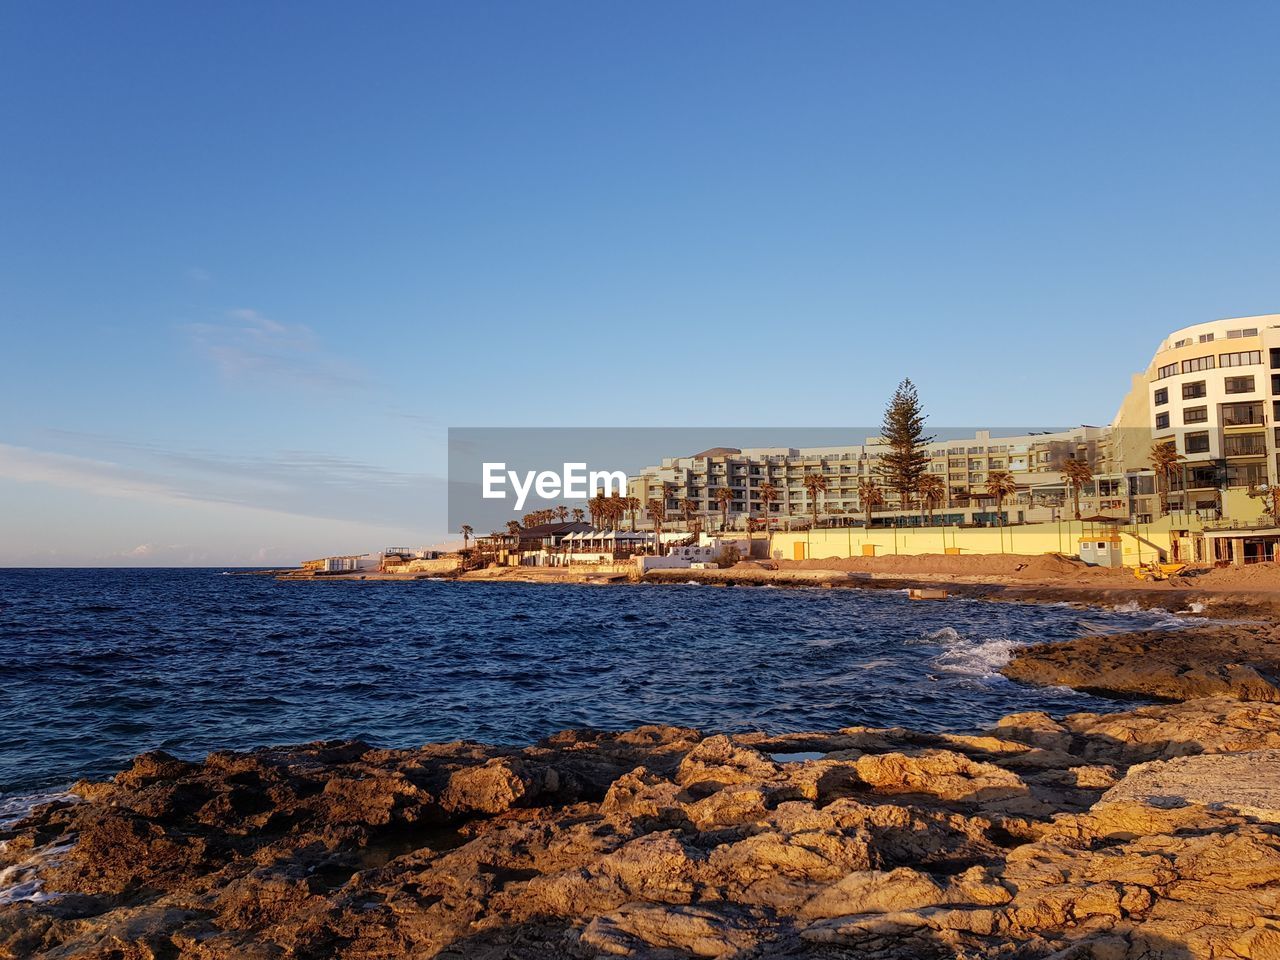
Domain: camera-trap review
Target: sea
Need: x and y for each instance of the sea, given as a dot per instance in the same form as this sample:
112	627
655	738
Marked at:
97	666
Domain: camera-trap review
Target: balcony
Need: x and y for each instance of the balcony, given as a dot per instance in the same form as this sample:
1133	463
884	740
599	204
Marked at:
1242	415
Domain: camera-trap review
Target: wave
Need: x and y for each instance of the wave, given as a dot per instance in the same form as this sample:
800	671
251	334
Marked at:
981	659
21	881
19	806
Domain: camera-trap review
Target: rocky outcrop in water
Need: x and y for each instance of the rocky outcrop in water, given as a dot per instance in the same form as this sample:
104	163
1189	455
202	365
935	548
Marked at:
1240	660
1152	833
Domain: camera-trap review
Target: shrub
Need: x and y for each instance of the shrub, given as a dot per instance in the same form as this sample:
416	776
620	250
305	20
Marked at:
728	556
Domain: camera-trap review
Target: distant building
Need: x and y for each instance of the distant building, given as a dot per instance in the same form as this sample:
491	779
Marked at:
964	465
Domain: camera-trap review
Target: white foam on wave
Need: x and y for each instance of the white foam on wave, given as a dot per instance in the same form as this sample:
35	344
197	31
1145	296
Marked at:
978	658
21	880
19	806
946	637
981	659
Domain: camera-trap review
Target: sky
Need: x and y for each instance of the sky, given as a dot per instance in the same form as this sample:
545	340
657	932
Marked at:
257	259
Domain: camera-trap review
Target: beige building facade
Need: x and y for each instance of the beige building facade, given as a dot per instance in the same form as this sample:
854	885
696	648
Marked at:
1212	390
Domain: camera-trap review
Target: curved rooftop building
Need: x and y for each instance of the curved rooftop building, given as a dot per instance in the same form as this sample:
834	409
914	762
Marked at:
1212	391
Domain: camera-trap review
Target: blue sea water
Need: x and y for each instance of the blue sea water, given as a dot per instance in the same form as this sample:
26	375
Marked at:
97	666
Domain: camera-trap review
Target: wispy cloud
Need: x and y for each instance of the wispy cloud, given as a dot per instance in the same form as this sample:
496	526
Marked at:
246	345
296	482
83	473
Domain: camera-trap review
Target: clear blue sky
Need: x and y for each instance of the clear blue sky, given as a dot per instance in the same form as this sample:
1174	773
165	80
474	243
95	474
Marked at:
255	258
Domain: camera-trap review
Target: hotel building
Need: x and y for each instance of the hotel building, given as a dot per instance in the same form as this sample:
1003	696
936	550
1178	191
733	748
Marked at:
1212	390
965	463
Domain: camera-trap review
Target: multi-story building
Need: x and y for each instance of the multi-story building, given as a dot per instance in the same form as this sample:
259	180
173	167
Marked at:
965	464
1212	391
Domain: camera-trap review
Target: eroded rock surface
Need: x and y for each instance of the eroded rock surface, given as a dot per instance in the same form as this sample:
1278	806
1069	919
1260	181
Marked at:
1241	660
1036	838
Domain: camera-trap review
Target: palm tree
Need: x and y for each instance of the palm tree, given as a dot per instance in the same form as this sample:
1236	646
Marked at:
466	532
689	508
658	512
933	491
513	528
1000	484
562	513
724	496
813	483
1164	458
768	494
1079	473
578	514
870	496
633	504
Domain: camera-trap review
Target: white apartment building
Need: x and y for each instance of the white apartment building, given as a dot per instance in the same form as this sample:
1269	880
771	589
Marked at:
1213	391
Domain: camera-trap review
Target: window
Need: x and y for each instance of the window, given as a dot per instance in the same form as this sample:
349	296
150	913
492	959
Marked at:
1206	338
1244	359
1181	343
1196	364
1193	391
1246	475
1275	358
1162	421
1162	396
1244	445
1246	332
1195	415
1239	384
1198	478
1166	371
1239	414
1196	442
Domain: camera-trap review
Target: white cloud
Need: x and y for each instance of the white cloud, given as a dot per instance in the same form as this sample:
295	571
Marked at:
246	345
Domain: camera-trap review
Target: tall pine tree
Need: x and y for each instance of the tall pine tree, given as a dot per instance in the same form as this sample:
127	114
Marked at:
906	460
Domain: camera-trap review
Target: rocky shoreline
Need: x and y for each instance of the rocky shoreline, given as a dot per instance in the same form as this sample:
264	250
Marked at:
1240	660
1149	833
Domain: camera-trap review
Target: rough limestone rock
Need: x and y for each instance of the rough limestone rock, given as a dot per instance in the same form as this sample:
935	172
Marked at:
1153	833
1245	783
1241	660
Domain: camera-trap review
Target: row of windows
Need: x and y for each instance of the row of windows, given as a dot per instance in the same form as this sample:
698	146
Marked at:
1243	358
1233	444
1233	415
1198	388
1231	335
